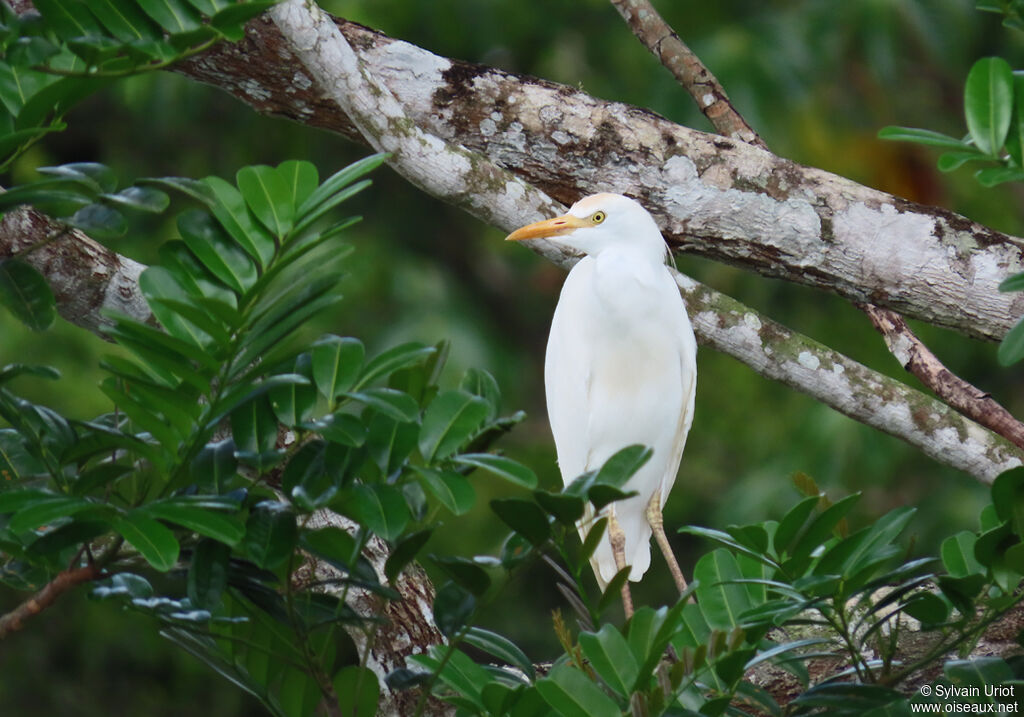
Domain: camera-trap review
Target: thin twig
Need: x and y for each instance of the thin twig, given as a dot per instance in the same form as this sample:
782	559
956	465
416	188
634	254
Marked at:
916	358
64	581
652	30
659	37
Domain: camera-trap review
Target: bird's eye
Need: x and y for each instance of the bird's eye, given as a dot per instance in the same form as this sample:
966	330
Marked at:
597	217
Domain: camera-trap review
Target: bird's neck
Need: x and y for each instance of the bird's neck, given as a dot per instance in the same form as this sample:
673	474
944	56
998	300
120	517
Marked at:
624	280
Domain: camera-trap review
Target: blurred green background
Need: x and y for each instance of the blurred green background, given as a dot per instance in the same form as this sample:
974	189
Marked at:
817	78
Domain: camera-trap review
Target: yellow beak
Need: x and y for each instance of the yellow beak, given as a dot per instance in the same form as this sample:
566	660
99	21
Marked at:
548	228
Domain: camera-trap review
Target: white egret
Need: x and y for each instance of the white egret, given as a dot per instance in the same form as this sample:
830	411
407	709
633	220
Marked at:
620	369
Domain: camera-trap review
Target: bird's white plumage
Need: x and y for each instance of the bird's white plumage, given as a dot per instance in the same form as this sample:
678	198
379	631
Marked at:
620	367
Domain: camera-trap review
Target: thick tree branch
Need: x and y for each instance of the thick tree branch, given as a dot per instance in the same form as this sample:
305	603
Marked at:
85	276
711	195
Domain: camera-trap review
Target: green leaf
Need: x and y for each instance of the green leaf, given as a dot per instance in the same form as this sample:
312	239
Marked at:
392	360
929	609
316	214
12	501
465	573
1015	137
594	536
623	465
501	647
1008	498
993	176
453	608
298	693
294	403
449	422
339	180
225	259
254	428
231	21
404	552
336	364
720	600
922	136
43	512
613	590
512	471
175	16
158	283
358	691
192	188
208	574
1014	283
124	20
950	161
571	694
979	672
206	291
231	211
611	658
332	544
15	461
215	467
566	509
958	555
301	179
988	103
1011	350
26	294
524	517
154	542
315	473
270	534
379	507
396	404
93	175
141	199
200	520
792	522
68	18
389	442
341	428
453	491
269	196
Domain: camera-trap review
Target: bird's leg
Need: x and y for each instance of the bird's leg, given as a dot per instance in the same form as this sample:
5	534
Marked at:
618	540
657	524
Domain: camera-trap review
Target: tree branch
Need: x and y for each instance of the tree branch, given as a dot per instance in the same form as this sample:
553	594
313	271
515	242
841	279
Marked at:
663	42
64	581
966	398
711	196
86	277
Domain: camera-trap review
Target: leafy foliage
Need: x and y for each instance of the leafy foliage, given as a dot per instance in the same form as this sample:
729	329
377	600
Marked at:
796	592
193	474
54	59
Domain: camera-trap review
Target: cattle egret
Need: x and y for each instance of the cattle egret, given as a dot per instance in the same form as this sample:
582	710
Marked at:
620	369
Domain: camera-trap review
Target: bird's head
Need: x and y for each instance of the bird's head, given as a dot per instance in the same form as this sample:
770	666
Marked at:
599	222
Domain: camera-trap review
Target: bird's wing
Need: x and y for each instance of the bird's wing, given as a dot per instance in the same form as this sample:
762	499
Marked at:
688	370
567	374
